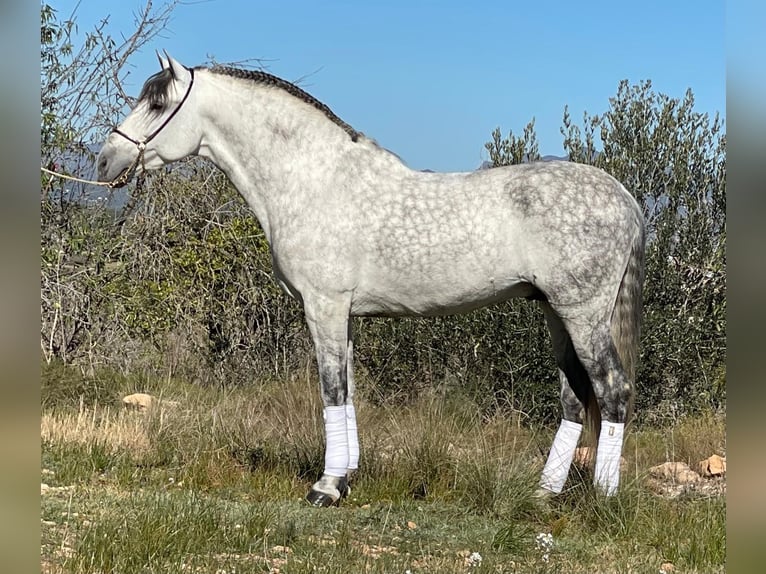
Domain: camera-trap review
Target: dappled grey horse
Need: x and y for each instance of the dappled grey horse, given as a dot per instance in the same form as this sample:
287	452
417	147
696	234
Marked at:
355	232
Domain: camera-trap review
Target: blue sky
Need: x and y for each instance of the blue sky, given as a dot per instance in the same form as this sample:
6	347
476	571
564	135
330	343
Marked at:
431	80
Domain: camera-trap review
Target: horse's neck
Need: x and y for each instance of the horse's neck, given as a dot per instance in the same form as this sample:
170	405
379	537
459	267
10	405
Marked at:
271	146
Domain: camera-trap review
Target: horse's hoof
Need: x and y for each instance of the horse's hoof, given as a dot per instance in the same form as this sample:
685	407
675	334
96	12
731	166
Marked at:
328	491
320	499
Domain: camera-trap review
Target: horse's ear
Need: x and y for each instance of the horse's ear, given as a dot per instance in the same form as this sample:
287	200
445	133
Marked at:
163	62
176	68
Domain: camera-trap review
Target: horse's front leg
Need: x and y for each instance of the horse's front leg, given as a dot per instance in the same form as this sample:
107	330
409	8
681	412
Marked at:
328	320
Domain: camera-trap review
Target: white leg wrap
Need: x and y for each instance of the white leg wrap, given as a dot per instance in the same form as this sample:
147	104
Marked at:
561	455
353	437
336	455
607	473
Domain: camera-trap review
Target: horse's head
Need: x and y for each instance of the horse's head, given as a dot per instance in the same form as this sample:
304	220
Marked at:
160	129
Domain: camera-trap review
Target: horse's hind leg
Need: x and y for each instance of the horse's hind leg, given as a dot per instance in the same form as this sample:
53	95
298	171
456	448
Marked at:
328	321
351	430
613	391
575	389
562	451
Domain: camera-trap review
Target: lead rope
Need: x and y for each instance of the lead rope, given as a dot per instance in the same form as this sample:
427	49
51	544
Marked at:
72	178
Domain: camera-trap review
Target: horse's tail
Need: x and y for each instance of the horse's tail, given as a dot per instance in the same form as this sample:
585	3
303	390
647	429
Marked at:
626	316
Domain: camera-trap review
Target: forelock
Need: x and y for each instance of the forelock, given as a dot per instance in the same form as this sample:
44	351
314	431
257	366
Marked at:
155	90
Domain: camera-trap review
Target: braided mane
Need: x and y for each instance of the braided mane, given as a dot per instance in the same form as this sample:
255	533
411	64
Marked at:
271	80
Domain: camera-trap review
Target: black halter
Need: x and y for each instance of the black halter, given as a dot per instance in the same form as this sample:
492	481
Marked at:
141	144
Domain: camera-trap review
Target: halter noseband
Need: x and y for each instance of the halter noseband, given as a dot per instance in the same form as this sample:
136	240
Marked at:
141	144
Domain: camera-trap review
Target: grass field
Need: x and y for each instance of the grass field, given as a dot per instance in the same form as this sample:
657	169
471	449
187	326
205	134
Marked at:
212	481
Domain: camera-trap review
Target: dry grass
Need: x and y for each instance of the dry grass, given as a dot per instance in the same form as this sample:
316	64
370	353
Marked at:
217	483
116	430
